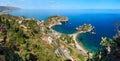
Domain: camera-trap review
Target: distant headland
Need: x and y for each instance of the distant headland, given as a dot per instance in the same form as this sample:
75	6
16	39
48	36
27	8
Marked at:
8	8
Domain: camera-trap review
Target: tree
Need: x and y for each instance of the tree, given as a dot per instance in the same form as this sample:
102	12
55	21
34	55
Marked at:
108	43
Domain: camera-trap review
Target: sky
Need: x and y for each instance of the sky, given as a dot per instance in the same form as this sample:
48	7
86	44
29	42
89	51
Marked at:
62	4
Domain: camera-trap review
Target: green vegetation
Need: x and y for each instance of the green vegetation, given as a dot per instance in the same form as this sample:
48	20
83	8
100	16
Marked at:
24	39
24	44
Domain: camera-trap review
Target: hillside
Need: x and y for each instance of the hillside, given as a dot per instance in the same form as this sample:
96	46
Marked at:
27	39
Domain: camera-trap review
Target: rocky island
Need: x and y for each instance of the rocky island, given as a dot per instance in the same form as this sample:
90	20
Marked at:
85	28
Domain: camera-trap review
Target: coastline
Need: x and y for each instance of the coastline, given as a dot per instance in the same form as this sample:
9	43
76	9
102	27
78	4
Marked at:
77	44
81	48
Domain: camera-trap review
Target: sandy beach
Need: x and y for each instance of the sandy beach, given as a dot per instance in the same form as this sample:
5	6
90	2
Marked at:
78	46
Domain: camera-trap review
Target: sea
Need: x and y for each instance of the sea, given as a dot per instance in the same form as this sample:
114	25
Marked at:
102	19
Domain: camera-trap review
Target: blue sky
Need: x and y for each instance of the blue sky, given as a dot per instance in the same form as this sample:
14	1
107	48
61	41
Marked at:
63	4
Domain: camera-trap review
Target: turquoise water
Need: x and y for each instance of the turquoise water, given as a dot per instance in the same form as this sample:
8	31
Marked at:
103	20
